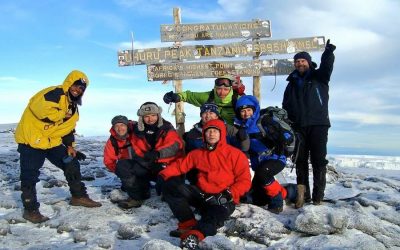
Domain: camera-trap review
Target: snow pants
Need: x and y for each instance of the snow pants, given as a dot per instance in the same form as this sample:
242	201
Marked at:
314	147
32	159
265	189
135	178
181	196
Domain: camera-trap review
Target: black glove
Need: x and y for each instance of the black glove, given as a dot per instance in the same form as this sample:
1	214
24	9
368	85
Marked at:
171	97
329	47
219	199
151	156
242	134
159	184
80	156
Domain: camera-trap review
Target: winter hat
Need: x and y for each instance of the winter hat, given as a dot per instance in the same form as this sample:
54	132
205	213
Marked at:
119	119
245	107
148	108
209	107
305	55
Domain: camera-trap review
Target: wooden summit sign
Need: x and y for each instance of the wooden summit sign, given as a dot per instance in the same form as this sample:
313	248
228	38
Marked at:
195	70
189	62
212	31
198	52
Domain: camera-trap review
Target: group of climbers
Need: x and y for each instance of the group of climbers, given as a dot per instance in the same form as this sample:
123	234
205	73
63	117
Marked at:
209	169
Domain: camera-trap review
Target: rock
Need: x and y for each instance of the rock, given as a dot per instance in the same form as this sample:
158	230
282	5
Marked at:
130	231
159	245
255	224
4	228
318	220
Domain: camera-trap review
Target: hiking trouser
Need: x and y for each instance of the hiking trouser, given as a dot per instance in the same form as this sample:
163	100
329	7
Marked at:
181	196
32	159
135	178
315	143
264	176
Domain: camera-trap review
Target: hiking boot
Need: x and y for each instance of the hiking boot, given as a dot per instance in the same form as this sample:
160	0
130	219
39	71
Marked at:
183	228
130	203
84	202
317	202
275	210
178	232
191	242
301	189
34	216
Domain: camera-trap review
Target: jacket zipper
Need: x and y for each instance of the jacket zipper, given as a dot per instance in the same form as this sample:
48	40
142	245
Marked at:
319	96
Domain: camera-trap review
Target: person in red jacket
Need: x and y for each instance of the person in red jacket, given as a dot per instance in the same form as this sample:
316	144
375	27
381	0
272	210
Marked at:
223	177
118	146
156	144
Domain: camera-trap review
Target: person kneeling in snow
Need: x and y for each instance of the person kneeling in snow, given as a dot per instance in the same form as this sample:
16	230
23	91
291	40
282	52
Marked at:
156	144
118	146
223	176
266	155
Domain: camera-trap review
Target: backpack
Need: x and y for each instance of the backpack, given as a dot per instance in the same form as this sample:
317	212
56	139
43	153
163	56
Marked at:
274	125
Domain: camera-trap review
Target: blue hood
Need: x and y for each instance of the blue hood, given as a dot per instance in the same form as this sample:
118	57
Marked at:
251	123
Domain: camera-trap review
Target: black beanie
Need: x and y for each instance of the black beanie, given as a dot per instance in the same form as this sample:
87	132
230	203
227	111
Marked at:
303	55
119	119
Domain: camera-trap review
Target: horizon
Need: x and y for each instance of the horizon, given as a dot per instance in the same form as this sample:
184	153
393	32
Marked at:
331	152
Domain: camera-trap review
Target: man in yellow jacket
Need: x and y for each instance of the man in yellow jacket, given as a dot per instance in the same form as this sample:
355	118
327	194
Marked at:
46	131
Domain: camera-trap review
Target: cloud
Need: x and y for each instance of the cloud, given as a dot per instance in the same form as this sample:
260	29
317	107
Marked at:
141	44
15	81
119	76
367	118
152	7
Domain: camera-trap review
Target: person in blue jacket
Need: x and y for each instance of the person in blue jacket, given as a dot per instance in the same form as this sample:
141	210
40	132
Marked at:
266	156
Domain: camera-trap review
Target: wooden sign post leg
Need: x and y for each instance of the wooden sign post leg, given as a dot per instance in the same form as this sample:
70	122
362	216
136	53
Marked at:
256	79
179	108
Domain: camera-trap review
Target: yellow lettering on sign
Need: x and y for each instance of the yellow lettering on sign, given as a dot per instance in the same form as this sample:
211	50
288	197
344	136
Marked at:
206	52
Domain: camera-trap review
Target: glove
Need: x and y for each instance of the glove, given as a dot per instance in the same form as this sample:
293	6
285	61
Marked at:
238	87
171	97
242	134
159	184
80	156
219	199
67	159
151	156
329	47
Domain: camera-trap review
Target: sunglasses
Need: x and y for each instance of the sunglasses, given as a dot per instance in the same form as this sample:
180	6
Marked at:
223	82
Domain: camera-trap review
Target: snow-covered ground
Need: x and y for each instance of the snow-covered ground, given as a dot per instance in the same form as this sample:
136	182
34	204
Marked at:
361	210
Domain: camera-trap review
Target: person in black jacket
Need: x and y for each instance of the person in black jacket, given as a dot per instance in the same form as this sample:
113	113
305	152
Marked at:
306	101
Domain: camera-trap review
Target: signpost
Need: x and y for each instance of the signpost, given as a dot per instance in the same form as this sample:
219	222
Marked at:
212	31
202	52
188	62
